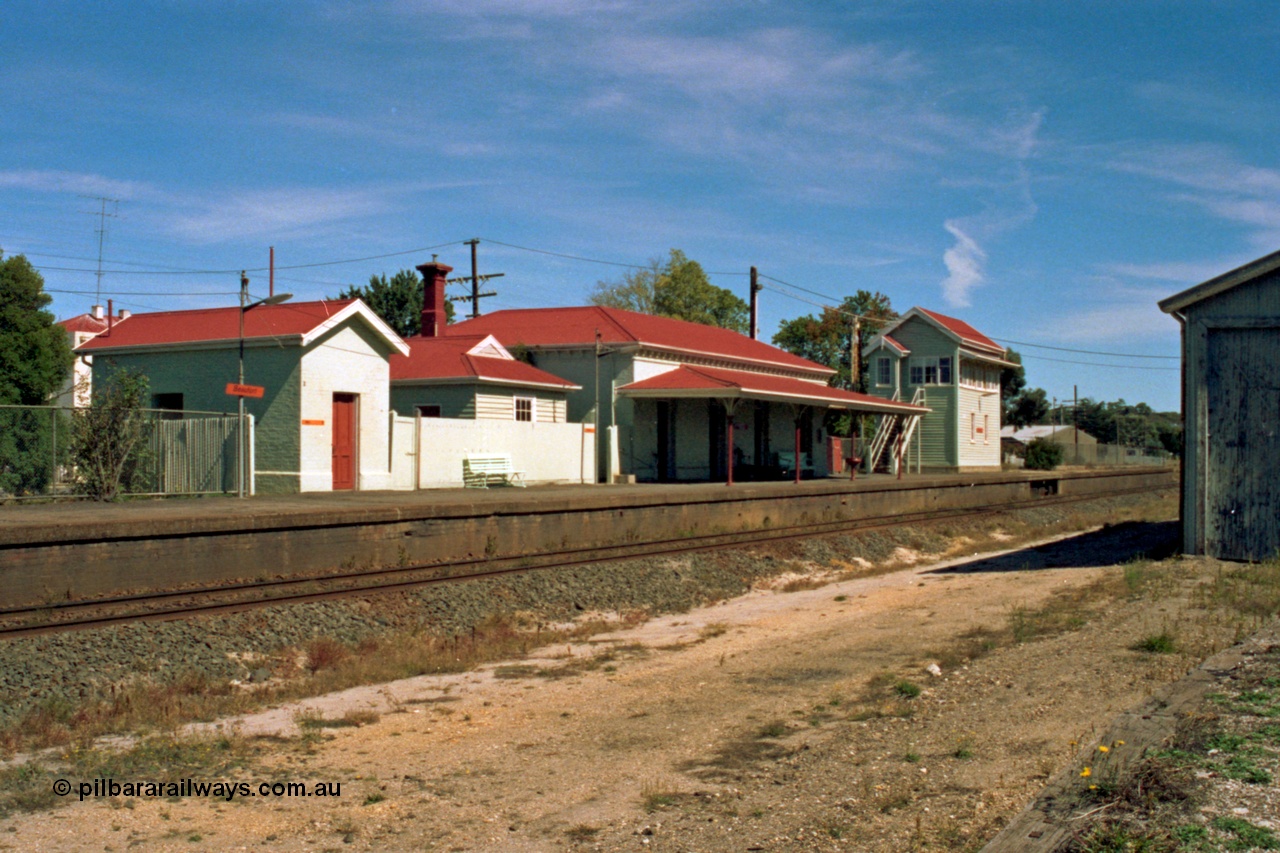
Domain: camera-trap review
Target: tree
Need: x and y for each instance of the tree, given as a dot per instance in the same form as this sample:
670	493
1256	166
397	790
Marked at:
826	339
110	437
1012	381
35	358
397	301
1030	406
677	288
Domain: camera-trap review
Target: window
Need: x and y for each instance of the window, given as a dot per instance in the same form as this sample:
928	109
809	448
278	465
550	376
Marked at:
973	428
429	410
169	404
883	375
524	408
930	370
986	431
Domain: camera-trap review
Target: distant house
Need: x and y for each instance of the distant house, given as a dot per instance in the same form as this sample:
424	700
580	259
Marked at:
681	401
77	390
474	377
953	369
322	422
1231	412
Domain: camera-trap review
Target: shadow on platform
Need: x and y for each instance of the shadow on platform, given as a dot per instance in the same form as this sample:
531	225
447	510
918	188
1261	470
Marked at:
1106	547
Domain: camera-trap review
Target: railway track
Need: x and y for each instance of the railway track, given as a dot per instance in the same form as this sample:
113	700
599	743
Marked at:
229	598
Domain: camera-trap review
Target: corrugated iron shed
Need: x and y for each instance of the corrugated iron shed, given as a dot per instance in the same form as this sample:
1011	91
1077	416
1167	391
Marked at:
1231	411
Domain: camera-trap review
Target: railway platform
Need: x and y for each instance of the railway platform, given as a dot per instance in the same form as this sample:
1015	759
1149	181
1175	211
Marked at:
81	550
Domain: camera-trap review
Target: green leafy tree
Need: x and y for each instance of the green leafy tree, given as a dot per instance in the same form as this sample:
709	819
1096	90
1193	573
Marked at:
1030	406
110	437
677	287
35	359
397	300
826	338
1012	382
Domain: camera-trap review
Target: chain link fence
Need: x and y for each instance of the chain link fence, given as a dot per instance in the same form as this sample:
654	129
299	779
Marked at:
1099	455
180	453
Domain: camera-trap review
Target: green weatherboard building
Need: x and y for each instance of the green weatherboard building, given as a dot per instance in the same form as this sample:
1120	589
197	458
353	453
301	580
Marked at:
947	365
321	422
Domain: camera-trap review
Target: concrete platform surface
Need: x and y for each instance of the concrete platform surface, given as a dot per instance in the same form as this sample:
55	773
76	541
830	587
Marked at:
82	521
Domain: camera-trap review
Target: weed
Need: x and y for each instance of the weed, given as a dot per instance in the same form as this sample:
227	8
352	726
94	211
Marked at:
1243	835
907	690
1156	644
774	730
582	832
351	719
911	757
375	797
324	653
655	797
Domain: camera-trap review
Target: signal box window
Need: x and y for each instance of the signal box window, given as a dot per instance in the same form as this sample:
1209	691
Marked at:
524	408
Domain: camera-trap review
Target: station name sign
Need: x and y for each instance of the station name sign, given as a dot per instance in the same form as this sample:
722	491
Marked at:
235	389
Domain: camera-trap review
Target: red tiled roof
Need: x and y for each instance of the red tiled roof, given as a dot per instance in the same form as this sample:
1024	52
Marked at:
449	358
289	319
578	326
968	334
716	382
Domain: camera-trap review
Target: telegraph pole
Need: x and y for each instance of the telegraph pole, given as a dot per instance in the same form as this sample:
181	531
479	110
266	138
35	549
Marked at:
755	303
475	280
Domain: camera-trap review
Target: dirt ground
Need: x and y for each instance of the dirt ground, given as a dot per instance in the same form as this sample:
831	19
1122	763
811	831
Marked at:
781	720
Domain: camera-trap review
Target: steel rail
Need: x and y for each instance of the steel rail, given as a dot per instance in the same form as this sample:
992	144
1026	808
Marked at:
185	603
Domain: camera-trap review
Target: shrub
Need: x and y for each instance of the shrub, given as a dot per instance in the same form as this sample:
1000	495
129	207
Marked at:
1043	455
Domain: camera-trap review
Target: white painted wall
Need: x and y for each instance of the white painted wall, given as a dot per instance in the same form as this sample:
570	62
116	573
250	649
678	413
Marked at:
543	452
347	362
981	409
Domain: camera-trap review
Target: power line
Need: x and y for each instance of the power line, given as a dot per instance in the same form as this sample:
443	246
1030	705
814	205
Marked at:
239	270
1087	351
1101	364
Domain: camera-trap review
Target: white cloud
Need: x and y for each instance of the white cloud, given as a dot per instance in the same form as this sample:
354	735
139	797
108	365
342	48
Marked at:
964	263
74	182
1117	323
281	212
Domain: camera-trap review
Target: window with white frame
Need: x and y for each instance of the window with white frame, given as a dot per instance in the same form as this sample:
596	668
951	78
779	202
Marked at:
986	429
930	370
977	375
524	408
973	428
884	375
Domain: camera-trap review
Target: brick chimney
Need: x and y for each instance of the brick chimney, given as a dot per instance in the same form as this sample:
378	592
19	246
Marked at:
433	278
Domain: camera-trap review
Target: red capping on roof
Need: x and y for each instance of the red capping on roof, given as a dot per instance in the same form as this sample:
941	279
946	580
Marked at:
577	326
84	323
711	379
451	358
968	334
289	319
891	342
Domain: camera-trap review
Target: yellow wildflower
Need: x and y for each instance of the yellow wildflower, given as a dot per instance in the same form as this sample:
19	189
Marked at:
1104	749
1086	773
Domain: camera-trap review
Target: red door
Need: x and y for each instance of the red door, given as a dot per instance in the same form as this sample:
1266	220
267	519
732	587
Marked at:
344	441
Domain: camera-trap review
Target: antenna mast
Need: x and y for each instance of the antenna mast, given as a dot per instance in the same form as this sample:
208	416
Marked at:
101	231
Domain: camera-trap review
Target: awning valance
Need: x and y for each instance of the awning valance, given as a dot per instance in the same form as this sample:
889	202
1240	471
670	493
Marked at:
689	381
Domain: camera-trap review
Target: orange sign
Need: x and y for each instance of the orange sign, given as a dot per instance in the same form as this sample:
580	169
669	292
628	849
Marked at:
235	389
306	422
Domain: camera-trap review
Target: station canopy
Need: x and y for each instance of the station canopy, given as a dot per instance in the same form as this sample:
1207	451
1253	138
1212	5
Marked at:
690	381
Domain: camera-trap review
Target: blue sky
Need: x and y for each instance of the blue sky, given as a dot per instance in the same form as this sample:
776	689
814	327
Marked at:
1045	170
